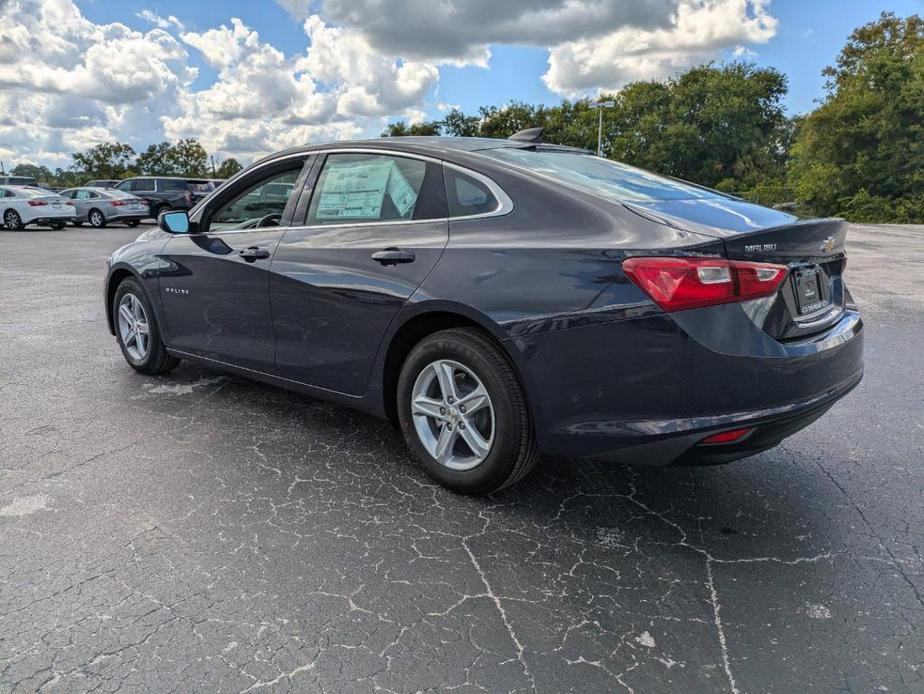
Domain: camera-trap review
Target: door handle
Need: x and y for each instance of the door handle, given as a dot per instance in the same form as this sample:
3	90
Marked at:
253	253
393	256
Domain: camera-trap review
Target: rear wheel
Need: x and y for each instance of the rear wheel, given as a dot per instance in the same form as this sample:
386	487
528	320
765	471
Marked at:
12	220
137	331
158	209
96	219
464	413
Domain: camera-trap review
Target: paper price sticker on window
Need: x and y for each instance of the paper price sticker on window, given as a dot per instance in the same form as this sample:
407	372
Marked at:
356	190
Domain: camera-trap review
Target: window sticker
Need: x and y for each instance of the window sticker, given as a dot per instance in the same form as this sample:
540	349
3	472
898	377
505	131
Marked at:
356	190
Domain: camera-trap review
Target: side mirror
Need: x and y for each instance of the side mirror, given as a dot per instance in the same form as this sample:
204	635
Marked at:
174	222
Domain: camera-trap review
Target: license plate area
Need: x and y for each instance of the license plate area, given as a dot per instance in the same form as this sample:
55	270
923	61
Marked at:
811	290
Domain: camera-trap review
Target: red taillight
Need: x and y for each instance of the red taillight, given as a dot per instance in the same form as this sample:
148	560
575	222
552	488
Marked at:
37	203
70	202
676	284
118	203
728	436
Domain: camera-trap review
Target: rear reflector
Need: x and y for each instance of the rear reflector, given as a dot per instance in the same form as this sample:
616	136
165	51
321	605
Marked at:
729	436
676	284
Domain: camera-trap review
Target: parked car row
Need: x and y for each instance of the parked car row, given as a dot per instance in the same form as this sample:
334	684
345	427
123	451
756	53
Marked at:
101	201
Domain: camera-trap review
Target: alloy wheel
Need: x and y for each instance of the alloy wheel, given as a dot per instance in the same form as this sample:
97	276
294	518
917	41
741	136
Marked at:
96	219
11	220
453	414
133	327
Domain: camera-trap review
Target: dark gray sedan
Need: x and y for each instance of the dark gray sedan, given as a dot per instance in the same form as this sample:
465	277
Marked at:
99	206
501	298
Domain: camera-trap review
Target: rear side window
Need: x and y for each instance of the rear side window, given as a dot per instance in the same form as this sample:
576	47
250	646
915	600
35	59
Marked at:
143	184
467	196
170	184
369	188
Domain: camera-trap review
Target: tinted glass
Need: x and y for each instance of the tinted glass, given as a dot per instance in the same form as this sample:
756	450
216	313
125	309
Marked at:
368	188
467	195
268	197
125	185
603	177
143	184
170	184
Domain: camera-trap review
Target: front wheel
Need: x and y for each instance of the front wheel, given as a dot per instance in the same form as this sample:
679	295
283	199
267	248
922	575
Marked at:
137	331
464	414
96	219
12	220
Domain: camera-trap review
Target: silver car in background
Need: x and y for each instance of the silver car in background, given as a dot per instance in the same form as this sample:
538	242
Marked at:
100	206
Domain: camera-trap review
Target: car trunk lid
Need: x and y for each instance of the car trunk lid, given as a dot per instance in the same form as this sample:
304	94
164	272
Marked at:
813	297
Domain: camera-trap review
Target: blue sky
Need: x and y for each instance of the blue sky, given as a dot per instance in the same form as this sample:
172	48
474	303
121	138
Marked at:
250	77
810	34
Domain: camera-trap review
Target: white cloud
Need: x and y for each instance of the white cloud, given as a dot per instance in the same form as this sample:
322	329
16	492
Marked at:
263	100
67	83
699	31
169	22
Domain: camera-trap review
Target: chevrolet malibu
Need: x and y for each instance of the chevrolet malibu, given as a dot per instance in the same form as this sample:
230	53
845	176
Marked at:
498	299
25	205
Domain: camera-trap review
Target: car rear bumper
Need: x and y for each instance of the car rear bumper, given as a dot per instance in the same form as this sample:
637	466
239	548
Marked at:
48	216
128	216
648	390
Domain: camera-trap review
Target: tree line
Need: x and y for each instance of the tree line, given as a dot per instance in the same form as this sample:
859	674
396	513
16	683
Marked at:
117	160
859	155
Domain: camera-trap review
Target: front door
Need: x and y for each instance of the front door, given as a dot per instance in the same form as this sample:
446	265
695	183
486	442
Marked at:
375	226
216	293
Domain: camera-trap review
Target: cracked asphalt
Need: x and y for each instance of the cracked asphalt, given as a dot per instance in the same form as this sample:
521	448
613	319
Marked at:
199	532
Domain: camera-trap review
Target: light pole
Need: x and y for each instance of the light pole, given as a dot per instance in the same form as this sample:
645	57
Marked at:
601	105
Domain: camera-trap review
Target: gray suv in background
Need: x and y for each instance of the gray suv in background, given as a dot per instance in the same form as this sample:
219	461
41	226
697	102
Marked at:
165	193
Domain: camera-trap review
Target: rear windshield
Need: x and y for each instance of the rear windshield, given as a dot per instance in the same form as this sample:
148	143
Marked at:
602	177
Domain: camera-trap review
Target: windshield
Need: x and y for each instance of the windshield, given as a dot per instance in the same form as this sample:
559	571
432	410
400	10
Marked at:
603	177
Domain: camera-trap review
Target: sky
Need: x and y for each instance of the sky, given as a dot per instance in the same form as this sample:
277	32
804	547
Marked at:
250	78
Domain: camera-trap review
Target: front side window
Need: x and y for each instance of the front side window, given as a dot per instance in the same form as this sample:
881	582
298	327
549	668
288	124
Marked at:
368	188
126	185
262	204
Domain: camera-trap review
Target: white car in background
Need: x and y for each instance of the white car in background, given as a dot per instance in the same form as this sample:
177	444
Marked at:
22	205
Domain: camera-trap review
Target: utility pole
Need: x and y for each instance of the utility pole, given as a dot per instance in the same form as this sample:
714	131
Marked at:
601	105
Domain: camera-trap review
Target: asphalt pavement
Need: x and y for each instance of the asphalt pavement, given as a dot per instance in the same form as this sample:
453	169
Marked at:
200	532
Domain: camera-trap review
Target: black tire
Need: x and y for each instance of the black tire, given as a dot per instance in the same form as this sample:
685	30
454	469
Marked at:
96	218
156	360
133	223
12	221
155	213
513	452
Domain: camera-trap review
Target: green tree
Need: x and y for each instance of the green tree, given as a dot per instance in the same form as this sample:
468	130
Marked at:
154	160
861	153
402	129
228	168
41	174
187	158
458	124
105	160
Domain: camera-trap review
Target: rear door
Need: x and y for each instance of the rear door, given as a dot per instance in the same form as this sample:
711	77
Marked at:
374	226
216	293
